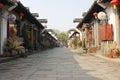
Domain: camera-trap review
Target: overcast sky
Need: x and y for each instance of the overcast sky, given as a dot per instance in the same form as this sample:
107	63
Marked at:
59	13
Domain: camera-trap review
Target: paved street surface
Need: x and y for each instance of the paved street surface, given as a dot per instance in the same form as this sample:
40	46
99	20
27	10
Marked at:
59	64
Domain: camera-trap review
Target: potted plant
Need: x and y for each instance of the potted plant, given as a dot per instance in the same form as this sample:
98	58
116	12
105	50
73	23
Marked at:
14	46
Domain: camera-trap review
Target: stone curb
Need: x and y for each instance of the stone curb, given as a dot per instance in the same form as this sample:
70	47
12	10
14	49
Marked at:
7	59
3	60
114	60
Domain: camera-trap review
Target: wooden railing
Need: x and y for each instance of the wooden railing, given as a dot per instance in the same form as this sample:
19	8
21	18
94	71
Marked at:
106	46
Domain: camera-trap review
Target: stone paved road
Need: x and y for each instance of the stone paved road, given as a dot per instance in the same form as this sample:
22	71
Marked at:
59	64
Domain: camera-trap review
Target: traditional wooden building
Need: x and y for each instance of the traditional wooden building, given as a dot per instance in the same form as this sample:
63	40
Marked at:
104	22
15	17
74	39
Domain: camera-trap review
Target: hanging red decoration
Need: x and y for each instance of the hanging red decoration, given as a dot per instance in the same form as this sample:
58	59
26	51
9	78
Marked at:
1	5
114	3
95	14
21	15
32	38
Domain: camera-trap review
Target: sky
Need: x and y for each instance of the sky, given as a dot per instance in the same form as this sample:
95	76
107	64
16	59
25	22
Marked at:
59	13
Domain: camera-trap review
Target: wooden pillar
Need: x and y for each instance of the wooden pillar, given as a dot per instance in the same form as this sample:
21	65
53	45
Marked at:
36	38
32	37
3	28
83	38
117	26
96	36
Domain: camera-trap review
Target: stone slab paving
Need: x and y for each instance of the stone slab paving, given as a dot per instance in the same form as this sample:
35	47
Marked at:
59	64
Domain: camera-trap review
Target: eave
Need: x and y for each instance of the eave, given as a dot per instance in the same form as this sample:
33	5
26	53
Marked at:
28	15
89	15
6	2
105	1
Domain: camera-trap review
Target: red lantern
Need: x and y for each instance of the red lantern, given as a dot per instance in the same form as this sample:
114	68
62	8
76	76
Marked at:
32	38
95	14
114	3
21	15
1	5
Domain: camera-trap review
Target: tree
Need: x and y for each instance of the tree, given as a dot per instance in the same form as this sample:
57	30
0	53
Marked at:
62	36
74	42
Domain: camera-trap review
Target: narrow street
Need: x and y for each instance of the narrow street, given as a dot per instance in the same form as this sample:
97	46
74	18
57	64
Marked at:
59	64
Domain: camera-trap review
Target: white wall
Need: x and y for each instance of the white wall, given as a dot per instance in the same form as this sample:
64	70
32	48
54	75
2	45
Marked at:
114	20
